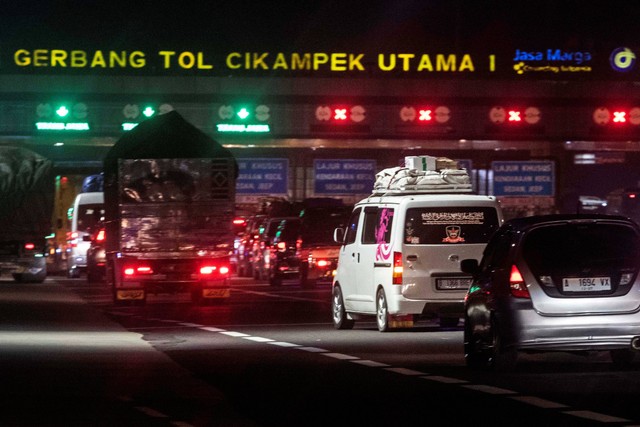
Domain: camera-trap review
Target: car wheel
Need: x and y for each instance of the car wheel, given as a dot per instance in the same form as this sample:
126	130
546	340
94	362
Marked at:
382	311
622	358
340	318
475	354
275	279
501	359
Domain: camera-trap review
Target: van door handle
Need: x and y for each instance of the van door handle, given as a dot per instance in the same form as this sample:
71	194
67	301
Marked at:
412	257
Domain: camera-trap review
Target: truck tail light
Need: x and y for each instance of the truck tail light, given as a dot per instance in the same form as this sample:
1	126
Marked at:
322	263
517	285
133	270
282	246
207	270
397	268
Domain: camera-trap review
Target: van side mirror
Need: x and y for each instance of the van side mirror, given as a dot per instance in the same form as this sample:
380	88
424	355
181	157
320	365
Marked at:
469	266
338	235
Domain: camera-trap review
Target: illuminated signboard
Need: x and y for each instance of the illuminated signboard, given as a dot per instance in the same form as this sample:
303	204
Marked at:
340	176
243	119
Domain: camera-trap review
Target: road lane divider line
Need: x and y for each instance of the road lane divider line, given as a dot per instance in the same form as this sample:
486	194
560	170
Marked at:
235	334
405	371
489	389
596	416
313	349
284	344
190	325
151	412
340	356
445	380
269	294
370	363
212	329
258	339
539	402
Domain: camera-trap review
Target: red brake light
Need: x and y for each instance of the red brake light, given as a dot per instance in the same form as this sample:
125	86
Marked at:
322	263
397	268
133	270
632	195
207	270
29	246
100	236
517	285
282	246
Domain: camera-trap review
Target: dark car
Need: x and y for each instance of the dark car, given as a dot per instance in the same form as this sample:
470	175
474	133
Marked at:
283	263
261	257
317	251
554	283
96	255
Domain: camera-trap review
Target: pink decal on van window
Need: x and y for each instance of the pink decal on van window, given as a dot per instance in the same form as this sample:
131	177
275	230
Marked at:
383	252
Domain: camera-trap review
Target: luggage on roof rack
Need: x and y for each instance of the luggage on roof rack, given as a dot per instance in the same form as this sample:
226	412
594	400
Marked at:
402	180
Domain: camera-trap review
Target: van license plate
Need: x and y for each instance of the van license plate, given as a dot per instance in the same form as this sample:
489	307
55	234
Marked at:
586	284
448	284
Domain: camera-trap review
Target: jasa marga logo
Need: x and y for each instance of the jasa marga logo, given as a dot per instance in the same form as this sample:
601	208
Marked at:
622	59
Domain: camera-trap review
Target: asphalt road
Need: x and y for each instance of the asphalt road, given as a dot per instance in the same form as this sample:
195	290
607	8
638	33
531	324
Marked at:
269	357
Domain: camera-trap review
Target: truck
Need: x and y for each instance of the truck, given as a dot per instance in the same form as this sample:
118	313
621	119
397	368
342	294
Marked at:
27	186
169	193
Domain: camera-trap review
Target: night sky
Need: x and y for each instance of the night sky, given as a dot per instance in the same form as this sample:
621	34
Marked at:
330	25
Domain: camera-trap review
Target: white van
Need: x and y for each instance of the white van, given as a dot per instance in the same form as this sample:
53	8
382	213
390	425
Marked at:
400	255
88	210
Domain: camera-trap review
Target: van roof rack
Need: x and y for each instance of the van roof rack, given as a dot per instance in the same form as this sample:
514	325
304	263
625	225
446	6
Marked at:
400	181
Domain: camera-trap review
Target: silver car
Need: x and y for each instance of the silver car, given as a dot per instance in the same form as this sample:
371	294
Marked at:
554	283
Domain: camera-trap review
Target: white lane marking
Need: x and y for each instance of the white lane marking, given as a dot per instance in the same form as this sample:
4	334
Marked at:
258	339
446	380
540	403
340	356
313	349
285	344
405	371
370	363
268	294
191	325
489	389
235	334
181	424
596	416
212	329
151	412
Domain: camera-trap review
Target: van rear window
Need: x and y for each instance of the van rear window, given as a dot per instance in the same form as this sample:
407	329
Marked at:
450	225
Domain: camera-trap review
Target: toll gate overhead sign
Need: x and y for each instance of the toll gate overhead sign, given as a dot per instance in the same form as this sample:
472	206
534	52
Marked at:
523	178
262	177
340	176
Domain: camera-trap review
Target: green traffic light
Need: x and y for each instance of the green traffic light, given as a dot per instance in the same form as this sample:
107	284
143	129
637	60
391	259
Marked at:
62	111
243	113
148	112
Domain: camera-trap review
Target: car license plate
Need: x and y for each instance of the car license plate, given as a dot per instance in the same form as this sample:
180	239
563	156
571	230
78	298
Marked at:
130	295
586	284
449	284
216	293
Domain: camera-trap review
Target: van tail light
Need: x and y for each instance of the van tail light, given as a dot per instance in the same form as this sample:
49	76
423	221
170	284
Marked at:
282	246
516	284
397	268
133	270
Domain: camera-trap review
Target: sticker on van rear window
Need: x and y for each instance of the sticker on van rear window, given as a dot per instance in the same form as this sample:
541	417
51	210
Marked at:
450	225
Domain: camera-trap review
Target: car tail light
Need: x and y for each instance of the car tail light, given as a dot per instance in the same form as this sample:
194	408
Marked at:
517	285
397	268
137	270
100	236
29	246
322	263
282	246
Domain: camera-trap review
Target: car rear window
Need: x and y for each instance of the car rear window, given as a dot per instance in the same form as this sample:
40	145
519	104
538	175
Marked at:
450	225
89	215
581	245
